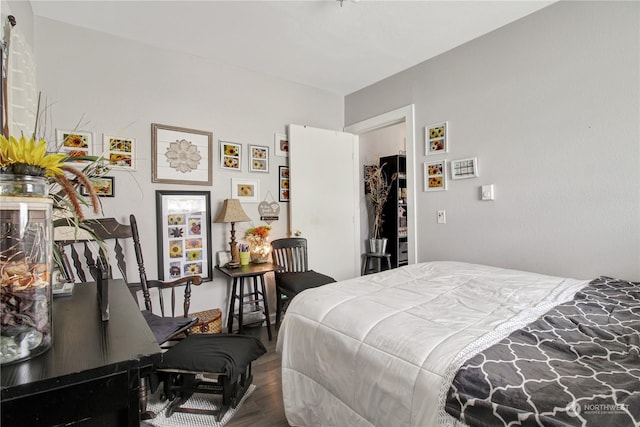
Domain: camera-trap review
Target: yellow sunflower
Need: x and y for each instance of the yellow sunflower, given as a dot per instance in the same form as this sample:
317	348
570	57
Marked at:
20	153
194	255
230	150
175	249
74	140
175	219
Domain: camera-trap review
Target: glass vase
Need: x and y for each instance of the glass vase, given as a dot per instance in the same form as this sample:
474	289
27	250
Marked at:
260	249
26	246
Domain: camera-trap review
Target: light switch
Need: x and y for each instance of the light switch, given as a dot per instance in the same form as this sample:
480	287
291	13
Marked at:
487	192
442	217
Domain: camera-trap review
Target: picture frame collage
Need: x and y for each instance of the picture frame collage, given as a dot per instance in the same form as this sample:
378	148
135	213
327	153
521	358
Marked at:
183	230
436	137
119	153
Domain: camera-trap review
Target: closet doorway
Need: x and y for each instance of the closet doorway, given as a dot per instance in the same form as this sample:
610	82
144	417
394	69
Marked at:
388	134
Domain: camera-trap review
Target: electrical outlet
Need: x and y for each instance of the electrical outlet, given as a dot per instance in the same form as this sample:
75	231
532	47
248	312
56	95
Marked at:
442	217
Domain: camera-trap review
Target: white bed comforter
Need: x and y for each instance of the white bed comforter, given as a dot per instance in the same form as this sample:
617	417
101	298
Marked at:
381	350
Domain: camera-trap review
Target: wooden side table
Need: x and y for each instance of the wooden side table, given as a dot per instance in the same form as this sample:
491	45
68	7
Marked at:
252	295
379	258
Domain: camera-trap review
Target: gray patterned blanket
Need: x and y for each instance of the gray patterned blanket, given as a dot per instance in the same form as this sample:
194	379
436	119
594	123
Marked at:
577	365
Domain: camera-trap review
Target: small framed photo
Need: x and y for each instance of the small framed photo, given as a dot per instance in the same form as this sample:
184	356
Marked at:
75	143
119	151
435	176
464	168
230	156
284	183
183	221
245	190
180	155
258	158
103	186
436	138
281	144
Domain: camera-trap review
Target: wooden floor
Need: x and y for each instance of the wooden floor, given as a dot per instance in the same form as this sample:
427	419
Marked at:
264	408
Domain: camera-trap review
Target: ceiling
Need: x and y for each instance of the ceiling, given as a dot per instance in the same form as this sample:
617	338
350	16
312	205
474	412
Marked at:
335	47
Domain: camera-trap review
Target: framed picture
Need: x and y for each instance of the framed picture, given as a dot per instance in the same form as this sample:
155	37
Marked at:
281	145
75	143
464	168
183	221
436	138
258	158
181	155
230	156
119	151
103	186
435	176
284	183
245	190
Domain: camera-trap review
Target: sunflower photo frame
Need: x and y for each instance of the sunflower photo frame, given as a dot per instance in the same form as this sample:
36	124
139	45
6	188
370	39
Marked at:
75	143
180	155
436	138
258	158
245	190
104	186
119	151
183	230
435	175
283	183
230	156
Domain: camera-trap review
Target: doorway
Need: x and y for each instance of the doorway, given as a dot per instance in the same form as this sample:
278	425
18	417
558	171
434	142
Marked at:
396	124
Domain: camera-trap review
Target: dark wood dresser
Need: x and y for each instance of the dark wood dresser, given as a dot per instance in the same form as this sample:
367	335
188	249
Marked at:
91	374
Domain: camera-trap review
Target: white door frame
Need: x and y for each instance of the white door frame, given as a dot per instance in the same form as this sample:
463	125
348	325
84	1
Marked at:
406	115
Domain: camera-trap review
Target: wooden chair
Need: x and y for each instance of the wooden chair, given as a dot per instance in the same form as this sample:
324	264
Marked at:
295	276
204	363
112	234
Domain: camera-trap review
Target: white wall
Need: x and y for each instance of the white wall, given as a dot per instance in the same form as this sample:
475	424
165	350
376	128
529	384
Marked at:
550	106
113	86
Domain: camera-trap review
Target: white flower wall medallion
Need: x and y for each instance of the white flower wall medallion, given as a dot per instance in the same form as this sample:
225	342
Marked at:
183	156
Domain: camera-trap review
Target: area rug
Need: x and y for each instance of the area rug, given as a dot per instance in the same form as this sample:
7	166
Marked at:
199	401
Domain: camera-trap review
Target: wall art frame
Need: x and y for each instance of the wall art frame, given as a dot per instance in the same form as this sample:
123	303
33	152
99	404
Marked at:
281	144
183	227
464	168
435	175
169	146
245	190
104	186
75	143
283	183
119	151
436	138
230	156
258	158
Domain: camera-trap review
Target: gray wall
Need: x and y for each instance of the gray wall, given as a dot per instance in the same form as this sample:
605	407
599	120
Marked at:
550	106
105	84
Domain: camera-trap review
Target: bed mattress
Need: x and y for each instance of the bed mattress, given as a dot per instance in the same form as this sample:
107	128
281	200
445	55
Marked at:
382	350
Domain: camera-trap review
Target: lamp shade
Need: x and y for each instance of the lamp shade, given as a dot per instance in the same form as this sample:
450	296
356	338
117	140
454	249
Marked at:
232	212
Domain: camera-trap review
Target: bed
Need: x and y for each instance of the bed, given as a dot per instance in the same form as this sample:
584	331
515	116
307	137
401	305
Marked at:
384	349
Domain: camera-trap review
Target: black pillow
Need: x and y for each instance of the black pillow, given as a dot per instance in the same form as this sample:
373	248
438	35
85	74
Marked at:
228	354
164	328
299	281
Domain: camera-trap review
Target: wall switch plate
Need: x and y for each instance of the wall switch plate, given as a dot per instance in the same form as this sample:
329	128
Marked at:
487	192
442	217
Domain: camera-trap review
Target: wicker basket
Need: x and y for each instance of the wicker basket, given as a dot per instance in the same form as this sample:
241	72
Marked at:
209	322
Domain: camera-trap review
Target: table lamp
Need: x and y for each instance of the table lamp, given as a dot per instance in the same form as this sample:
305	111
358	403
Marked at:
232	212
